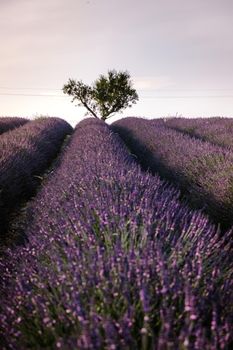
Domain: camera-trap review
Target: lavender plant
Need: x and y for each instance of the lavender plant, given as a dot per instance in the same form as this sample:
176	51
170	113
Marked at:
24	154
10	123
202	170
114	260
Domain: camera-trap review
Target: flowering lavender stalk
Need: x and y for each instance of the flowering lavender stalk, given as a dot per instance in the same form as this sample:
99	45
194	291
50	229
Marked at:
10	123
114	260
202	170
24	154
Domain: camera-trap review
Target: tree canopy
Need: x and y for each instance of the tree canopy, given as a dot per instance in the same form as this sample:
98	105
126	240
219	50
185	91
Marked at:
108	94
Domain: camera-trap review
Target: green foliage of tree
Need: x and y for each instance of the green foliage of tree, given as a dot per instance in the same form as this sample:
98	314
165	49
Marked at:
108	94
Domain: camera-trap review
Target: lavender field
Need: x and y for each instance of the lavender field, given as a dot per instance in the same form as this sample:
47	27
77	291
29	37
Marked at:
200	167
128	235
216	130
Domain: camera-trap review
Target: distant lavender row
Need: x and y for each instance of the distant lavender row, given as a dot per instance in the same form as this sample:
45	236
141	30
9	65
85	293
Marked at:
216	130
202	170
24	154
114	261
9	123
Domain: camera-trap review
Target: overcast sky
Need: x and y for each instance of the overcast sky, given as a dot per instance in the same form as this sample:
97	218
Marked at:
179	54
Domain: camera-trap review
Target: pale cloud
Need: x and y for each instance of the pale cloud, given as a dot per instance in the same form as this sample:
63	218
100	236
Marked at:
152	83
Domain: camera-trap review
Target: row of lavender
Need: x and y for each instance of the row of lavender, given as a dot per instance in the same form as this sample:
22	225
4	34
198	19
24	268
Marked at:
202	170
25	153
10	123
216	130
114	260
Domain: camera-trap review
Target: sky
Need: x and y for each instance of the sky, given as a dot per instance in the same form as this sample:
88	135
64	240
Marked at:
179	54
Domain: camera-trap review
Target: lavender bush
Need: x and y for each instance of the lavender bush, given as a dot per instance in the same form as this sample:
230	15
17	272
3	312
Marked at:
202	170
10	123
114	260
24	154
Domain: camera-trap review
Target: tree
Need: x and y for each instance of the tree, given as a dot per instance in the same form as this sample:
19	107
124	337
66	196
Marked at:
109	94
